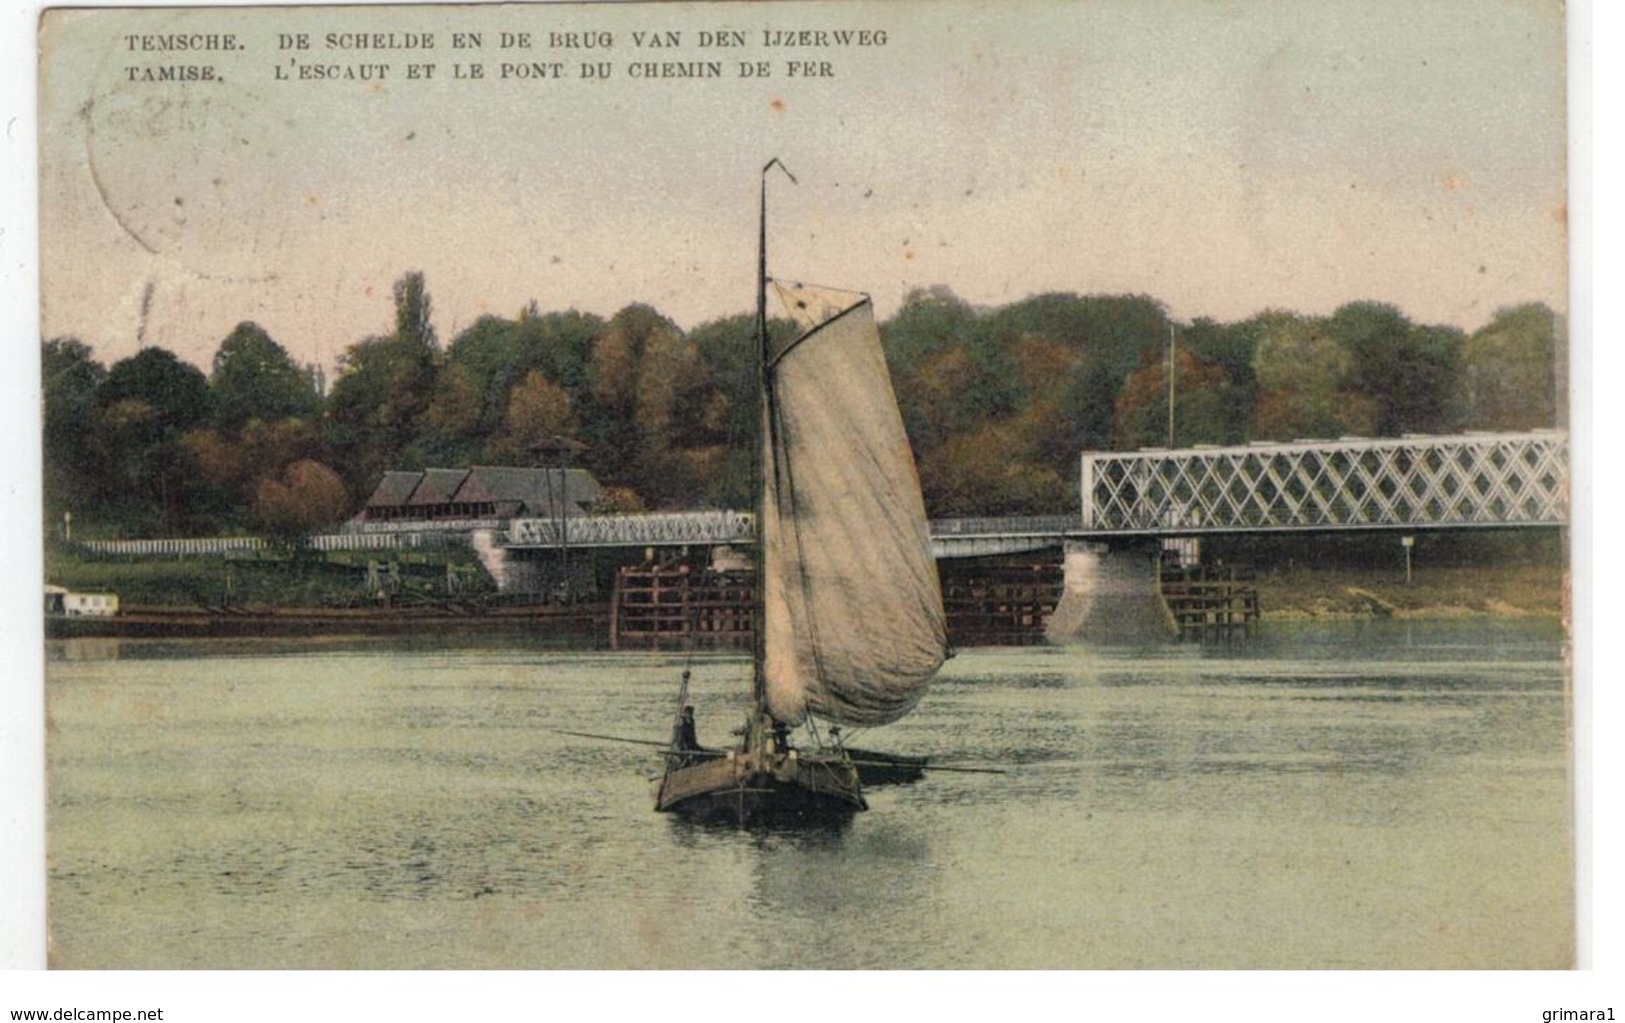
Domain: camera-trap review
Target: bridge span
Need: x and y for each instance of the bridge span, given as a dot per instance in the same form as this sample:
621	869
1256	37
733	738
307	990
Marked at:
1131	501
950	538
1473	481
1414	483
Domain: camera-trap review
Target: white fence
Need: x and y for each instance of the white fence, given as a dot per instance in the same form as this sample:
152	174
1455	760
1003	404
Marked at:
217	546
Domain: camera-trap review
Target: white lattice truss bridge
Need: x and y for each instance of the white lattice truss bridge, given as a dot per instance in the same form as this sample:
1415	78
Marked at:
1415	482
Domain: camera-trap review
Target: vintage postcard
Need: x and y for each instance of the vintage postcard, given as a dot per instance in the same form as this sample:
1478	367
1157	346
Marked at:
807	485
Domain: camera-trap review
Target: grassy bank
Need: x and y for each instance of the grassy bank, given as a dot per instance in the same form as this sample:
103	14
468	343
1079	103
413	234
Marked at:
270	580
1510	591
1455	574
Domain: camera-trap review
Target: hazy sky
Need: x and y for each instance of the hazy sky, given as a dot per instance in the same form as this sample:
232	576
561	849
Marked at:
1221	157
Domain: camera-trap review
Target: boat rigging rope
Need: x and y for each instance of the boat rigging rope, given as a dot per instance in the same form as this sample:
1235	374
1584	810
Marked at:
798	283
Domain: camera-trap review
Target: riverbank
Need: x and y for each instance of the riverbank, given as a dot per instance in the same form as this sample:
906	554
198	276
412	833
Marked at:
269	579
1285	594
1500	591
1492	576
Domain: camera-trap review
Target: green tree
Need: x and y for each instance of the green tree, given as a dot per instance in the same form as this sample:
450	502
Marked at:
1429	399
1303	383
414	311
1047	370
456	416
377	405
1231	346
146	406
485	363
558	344
254	378
70	378
1408	374
479	369
304	497
949	371
639	365
1511	377
1108	333
930	321
1204	404
177	393
538	409
377	411
224	470
957	388
1109	330
726	418
988	470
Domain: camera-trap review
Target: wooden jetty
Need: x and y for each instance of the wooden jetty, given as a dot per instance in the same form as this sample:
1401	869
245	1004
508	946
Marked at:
678	606
1211	603
998	603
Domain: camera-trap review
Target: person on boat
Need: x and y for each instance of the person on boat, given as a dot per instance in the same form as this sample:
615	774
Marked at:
685	737
781	735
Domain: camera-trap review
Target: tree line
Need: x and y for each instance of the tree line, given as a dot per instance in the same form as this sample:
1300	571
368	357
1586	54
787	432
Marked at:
998	403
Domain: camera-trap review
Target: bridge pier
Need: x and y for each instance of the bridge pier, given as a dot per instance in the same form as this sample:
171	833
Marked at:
1110	595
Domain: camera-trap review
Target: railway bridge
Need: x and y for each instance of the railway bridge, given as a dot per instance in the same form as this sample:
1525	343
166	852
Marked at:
1408	484
1132	501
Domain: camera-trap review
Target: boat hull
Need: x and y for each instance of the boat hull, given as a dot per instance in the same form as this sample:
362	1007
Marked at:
876	768
768	789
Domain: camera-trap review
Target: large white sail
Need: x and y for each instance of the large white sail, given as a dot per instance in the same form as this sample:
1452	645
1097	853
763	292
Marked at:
854	622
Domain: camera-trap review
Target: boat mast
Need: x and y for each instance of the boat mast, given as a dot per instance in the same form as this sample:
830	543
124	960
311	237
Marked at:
763	389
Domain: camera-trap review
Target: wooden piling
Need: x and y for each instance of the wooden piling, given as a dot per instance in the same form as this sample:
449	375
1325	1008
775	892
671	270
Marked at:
677	606
680	607
1000	603
1212	604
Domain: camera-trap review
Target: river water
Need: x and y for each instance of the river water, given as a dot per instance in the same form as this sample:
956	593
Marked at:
1378	794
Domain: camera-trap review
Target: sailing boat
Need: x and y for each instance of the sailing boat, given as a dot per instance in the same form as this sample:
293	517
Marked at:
849	620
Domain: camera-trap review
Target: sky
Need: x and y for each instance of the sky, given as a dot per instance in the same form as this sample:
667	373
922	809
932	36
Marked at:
1223	158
